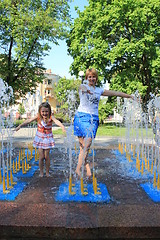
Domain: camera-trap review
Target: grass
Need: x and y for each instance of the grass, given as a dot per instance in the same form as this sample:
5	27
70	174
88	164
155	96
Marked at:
113	130
57	132
108	130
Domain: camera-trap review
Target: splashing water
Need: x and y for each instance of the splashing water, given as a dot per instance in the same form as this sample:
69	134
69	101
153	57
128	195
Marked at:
6	124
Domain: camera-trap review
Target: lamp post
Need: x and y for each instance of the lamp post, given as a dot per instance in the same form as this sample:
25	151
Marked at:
81	74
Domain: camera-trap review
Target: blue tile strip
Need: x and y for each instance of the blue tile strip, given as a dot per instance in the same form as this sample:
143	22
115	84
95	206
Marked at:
14	192
19	185
64	196
151	191
131	171
29	173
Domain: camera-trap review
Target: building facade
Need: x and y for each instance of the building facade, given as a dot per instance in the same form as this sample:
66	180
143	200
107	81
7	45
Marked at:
44	93
46	89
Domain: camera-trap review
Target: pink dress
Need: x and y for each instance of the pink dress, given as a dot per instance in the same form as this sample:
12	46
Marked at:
44	136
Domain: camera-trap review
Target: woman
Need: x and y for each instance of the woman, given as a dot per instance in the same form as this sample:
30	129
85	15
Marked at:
86	119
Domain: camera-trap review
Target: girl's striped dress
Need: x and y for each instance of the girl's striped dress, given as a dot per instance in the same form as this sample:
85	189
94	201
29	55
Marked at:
44	136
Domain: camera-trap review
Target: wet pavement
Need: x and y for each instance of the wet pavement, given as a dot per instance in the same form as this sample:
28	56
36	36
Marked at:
35	214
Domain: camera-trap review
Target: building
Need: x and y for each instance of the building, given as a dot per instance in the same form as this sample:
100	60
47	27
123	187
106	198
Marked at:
47	89
44	92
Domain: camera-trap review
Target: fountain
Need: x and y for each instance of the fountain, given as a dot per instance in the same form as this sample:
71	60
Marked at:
130	212
141	149
11	169
5	132
138	152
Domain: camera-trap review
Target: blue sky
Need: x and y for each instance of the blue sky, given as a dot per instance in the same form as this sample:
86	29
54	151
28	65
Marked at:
58	60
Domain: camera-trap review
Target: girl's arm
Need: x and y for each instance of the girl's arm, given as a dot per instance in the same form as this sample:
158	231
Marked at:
58	123
112	93
26	122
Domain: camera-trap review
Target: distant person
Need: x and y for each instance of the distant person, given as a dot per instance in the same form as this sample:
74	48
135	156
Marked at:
44	137
86	120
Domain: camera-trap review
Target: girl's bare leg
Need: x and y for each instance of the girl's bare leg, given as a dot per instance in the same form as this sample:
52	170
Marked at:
84	149
47	161
41	159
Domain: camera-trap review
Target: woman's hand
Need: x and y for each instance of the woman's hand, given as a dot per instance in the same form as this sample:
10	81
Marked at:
84	89
87	91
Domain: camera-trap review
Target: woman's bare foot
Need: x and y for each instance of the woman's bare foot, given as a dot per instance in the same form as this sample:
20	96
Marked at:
89	174
41	175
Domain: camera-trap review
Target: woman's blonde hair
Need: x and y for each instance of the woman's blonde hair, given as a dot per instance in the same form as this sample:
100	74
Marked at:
91	71
46	105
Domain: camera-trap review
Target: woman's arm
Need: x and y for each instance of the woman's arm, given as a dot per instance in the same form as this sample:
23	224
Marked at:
58	123
26	122
111	93
84	89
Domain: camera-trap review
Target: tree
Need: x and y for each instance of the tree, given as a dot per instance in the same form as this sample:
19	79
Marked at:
21	109
105	109
67	94
120	38
26	29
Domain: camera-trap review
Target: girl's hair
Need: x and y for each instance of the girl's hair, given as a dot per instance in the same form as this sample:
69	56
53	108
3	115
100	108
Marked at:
46	105
91	71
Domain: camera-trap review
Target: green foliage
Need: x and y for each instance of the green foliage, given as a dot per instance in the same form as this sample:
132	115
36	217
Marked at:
21	109
26	29
63	91
120	39
62	117
105	109
19	121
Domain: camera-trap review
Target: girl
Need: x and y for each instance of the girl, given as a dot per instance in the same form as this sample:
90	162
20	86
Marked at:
44	136
86	119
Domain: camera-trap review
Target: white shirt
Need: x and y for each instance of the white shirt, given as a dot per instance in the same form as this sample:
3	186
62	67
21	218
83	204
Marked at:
89	102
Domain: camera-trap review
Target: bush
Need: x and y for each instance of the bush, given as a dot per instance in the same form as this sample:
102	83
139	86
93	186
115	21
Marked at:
19	121
62	118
